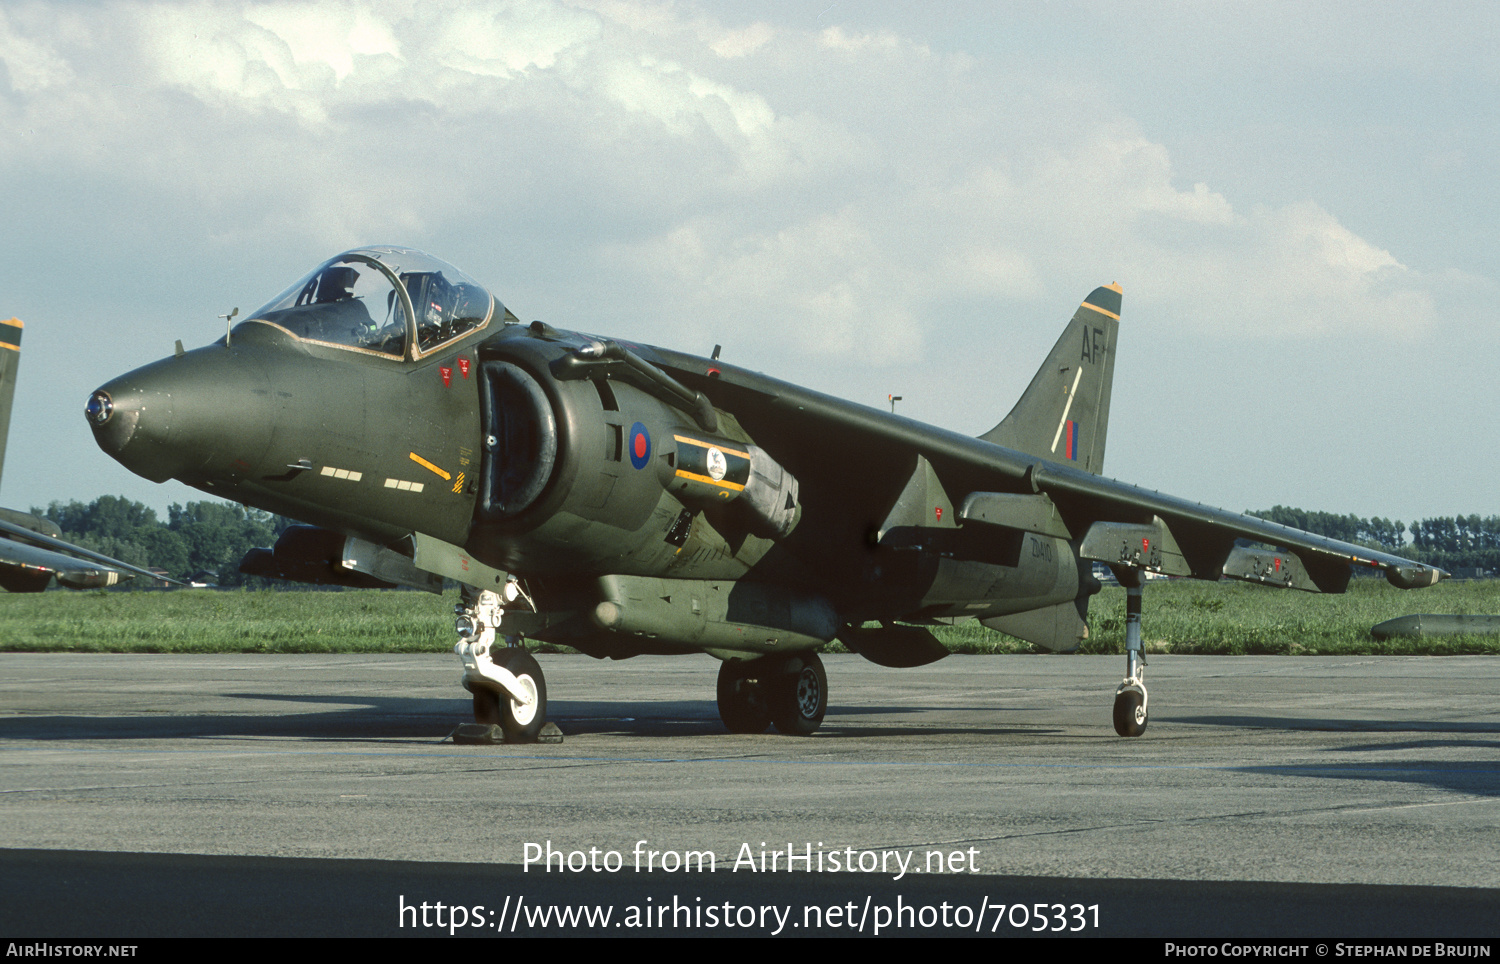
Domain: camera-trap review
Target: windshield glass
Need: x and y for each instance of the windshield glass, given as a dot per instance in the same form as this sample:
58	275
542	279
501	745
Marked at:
346	301
350	301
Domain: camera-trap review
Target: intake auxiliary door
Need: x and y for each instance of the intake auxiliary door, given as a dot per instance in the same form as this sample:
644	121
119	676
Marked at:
520	441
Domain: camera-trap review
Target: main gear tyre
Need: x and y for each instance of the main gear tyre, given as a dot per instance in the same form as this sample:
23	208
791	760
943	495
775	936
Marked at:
799	696
742	704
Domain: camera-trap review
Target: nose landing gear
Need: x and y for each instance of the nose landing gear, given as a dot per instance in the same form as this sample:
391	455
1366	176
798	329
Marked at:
508	686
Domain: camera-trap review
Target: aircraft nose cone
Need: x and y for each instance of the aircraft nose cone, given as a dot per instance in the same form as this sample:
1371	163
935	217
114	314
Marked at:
132	422
182	417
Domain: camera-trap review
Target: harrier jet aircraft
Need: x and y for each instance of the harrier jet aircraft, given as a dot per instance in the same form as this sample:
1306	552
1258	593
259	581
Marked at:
625	499
31	550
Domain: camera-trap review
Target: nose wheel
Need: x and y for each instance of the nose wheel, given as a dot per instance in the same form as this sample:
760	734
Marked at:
521	720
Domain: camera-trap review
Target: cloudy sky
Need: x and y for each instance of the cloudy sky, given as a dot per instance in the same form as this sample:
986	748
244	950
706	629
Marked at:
1298	199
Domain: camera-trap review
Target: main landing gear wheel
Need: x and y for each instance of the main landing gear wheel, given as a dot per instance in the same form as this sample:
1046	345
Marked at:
799	698
1130	713
742	703
519	723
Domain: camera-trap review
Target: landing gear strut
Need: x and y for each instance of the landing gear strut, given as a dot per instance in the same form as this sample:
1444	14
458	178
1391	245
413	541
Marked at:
1130	697
789	691
508	686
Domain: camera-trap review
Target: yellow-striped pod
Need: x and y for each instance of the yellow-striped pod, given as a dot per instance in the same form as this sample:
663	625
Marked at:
708	469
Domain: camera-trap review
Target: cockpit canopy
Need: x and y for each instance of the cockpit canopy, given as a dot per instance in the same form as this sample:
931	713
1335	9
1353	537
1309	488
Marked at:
398	302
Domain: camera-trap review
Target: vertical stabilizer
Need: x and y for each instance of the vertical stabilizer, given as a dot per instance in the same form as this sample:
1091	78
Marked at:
10	359
1063	415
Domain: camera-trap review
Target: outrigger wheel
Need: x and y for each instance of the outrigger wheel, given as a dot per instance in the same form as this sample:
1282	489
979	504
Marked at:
1130	697
789	691
1130	712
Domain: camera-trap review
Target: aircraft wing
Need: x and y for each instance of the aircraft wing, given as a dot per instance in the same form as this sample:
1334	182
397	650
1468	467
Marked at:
29	568
989	484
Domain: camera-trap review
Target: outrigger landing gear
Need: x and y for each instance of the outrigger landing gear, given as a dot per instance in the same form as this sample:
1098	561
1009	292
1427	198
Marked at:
1130	697
508	686
789	691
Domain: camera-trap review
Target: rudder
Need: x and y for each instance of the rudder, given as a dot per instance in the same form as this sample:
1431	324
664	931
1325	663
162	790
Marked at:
1064	413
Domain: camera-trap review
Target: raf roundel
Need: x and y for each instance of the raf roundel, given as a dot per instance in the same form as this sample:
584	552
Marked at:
640	445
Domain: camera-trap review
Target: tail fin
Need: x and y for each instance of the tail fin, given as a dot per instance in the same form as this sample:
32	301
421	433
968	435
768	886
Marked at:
1064	412
10	359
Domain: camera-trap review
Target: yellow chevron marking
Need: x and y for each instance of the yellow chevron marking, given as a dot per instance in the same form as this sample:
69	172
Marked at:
430	467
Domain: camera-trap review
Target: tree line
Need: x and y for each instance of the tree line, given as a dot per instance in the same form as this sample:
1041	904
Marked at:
197	538
1448	542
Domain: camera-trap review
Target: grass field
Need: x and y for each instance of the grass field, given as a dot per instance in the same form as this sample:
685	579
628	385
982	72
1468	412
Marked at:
1179	617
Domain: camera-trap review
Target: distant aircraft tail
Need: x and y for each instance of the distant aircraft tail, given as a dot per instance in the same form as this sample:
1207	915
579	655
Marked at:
10	358
1064	412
